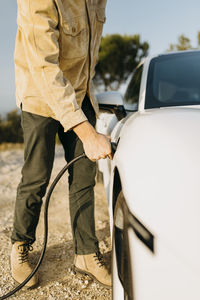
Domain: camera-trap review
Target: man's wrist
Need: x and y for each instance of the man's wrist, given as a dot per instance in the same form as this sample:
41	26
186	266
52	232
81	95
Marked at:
84	130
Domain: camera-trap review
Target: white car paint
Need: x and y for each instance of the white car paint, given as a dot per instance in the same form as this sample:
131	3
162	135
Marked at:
158	159
166	199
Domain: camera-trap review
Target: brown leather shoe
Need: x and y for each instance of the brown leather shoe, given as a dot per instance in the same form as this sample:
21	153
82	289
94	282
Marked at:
20	267
93	265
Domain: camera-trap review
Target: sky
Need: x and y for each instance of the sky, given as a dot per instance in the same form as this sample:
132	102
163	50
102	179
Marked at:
157	22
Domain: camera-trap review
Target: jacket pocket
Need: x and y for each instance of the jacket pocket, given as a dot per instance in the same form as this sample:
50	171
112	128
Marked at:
74	38
100	13
99	21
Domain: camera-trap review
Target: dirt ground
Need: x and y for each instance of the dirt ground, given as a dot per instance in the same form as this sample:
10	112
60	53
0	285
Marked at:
57	278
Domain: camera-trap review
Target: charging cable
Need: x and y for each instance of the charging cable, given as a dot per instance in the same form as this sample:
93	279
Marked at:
48	197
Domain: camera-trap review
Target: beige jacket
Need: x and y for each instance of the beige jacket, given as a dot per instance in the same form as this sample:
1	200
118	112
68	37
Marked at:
56	51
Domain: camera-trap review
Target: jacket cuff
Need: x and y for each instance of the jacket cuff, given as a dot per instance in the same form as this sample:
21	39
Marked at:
72	119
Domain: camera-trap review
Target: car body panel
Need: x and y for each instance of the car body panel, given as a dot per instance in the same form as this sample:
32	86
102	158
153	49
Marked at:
162	276
163	187
158	164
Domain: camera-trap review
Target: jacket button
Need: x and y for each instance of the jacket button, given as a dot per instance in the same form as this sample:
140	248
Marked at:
73	29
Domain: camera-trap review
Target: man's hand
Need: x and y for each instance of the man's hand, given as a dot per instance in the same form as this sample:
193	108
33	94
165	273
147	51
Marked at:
96	145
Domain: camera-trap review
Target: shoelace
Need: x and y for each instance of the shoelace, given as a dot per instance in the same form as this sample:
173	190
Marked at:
23	255
99	258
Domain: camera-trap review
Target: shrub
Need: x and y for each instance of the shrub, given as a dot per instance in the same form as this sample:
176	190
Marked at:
10	128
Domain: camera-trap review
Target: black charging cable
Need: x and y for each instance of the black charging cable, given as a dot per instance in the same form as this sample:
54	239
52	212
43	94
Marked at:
48	197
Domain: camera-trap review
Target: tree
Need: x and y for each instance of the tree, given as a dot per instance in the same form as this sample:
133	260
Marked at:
198	38
10	128
184	43
118	57
14	127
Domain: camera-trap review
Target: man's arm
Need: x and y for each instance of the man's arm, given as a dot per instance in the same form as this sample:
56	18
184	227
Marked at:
96	145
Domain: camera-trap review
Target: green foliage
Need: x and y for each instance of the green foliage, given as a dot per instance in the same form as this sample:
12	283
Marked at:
118	57
10	128
184	44
198	38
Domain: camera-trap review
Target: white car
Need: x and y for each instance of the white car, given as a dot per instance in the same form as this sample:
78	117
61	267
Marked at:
153	183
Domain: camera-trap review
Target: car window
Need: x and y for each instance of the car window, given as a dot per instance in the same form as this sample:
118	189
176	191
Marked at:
131	96
174	80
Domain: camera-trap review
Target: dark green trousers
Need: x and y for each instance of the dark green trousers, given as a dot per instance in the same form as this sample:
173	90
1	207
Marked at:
39	143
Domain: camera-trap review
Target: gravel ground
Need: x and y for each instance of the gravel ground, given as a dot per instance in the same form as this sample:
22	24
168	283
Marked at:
57	278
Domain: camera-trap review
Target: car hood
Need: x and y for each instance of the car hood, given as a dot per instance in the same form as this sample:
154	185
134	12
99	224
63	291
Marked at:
158	158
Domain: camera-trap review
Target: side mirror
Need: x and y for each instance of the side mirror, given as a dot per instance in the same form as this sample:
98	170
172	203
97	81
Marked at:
112	102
